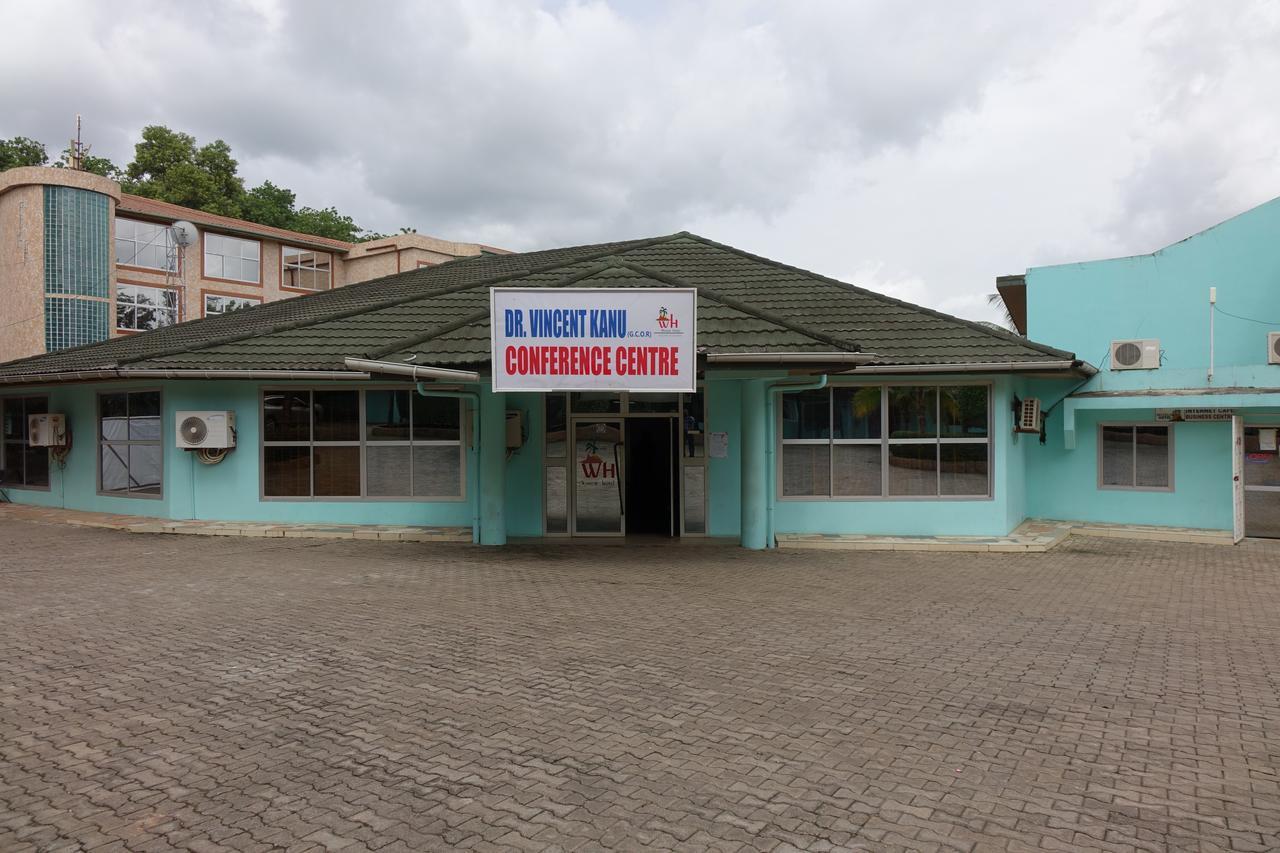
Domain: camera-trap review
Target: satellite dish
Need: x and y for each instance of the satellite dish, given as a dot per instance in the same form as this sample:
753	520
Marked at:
184	233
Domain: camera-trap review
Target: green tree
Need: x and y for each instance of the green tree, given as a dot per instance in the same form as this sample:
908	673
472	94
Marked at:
171	166
268	204
88	163
326	223
168	166
21	151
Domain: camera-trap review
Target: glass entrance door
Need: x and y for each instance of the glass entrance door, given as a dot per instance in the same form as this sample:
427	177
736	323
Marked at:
598	489
1262	482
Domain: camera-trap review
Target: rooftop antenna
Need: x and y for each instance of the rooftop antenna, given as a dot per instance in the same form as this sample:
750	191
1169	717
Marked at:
77	150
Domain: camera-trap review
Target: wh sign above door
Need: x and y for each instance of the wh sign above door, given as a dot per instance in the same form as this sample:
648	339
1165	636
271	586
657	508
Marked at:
590	339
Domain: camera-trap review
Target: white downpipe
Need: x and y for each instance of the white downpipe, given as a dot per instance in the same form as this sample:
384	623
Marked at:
1213	302
771	438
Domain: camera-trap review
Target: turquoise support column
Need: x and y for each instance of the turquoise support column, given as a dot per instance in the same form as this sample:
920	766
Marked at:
493	468
755	480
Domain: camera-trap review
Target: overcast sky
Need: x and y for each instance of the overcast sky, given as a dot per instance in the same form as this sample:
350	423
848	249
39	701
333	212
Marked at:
920	149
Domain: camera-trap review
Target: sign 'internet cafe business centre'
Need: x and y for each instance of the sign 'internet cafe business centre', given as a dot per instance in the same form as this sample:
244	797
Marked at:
592	339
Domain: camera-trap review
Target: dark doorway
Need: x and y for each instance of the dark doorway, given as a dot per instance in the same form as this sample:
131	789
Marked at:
652	506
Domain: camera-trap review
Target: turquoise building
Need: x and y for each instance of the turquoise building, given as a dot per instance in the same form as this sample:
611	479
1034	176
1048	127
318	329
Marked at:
1178	426
819	407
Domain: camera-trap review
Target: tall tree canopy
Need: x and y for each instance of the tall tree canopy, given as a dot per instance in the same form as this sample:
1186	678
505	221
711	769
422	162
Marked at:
21	151
171	166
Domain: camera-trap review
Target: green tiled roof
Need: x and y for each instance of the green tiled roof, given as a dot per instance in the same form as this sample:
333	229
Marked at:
440	315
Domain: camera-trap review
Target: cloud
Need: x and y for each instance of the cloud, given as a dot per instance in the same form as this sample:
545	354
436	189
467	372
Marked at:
926	148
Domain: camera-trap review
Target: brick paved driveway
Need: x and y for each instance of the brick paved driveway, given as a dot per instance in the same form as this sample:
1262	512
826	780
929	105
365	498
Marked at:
166	691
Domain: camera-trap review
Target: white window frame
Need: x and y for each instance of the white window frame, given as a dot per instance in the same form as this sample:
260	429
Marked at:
204	303
884	442
168	311
363	443
169	248
1133	425
125	442
206	253
300	266
8	445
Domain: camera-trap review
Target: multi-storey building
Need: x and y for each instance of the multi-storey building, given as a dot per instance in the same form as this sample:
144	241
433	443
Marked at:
82	261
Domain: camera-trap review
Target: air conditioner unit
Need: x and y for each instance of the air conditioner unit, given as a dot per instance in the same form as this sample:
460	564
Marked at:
1273	347
47	430
1028	416
206	430
1135	355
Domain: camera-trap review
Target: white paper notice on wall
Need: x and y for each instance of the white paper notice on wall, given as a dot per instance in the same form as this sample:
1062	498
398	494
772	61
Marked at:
1267	439
718	445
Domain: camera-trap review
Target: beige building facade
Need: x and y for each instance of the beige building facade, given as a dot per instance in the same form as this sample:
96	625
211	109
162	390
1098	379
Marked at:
81	261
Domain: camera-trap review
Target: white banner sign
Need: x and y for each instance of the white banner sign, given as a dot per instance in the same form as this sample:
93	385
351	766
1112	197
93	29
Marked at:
589	339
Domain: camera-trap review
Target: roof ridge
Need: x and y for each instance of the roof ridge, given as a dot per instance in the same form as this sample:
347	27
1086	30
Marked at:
414	340
972	324
608	262
744	307
377	306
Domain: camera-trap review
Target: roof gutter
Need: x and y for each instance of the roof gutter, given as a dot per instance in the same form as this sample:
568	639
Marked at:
990	367
854	358
154	373
413	371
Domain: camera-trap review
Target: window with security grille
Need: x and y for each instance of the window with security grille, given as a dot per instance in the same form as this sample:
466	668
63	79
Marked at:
22	465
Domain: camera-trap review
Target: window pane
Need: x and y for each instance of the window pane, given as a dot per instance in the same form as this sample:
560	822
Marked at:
556	425
594	402
286	416
436	418
557	500
695	427
964	411
964	470
144	468
1117	456
286	471
695	499
15	421
37	466
437	471
115	467
857	469
387	470
336	415
806	415
213	266
386	416
144	416
336	470
1151	463
661	403
114	410
857	412
913	412
806	469
913	469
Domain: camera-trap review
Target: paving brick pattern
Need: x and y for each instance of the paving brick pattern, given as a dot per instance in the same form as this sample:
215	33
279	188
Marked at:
209	693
